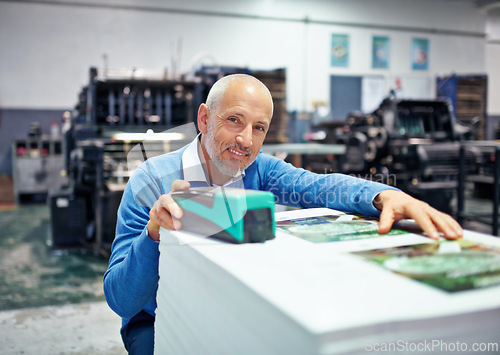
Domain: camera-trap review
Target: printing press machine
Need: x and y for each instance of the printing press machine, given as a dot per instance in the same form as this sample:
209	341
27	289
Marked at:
411	144
120	120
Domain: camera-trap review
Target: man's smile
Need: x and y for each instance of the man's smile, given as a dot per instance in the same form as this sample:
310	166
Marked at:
238	153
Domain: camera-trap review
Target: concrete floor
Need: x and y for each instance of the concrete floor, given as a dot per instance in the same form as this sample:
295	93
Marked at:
84	328
52	302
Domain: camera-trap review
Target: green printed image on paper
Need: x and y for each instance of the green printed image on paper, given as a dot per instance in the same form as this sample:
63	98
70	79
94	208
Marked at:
332	228
448	265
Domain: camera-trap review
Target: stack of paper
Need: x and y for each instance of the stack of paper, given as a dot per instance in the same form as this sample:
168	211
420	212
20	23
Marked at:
291	295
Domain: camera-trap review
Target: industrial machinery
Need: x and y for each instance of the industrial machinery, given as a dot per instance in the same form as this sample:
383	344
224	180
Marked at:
411	144
120	120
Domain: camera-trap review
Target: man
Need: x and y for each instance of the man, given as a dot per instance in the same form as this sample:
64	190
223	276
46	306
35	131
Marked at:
233	124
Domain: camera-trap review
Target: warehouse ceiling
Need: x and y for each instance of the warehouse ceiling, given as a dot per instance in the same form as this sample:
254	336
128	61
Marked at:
488	6
491	7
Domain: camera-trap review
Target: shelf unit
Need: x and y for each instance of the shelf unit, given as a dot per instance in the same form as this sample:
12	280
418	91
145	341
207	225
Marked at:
468	95
275	80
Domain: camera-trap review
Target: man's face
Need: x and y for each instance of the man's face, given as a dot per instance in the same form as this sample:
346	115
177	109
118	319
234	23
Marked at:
237	128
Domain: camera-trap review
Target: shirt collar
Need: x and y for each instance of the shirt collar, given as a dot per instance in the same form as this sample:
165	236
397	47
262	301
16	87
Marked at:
192	167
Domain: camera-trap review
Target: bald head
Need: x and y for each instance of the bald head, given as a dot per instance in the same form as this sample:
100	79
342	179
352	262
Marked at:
221	86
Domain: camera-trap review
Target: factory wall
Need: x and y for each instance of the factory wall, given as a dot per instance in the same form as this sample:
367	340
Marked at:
48	47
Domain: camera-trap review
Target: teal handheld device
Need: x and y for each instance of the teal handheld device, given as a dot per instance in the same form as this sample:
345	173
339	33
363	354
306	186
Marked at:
230	214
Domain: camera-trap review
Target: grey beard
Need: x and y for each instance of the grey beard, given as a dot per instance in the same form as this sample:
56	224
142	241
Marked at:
226	167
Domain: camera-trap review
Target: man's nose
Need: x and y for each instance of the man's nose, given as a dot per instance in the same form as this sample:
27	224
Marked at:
245	136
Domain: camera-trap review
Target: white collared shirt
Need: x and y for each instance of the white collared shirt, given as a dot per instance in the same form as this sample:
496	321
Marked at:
193	171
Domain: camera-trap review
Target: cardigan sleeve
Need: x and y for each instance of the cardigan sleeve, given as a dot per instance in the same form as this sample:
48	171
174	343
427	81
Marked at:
297	187
132	276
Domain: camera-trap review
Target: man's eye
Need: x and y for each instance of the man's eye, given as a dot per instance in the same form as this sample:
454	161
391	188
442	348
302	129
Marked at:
260	128
233	119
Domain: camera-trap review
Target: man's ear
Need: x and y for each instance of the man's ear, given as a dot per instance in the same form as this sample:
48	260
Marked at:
203	115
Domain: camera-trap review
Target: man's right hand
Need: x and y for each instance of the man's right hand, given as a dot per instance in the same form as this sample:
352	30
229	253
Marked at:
166	212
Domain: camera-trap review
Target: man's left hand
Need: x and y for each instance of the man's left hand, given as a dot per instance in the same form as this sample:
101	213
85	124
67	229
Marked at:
396	205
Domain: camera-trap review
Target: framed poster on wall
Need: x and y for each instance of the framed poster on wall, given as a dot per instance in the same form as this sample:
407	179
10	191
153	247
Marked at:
420	54
380	52
340	50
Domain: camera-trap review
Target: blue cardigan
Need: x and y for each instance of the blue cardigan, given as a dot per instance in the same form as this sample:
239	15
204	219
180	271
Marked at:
131	281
